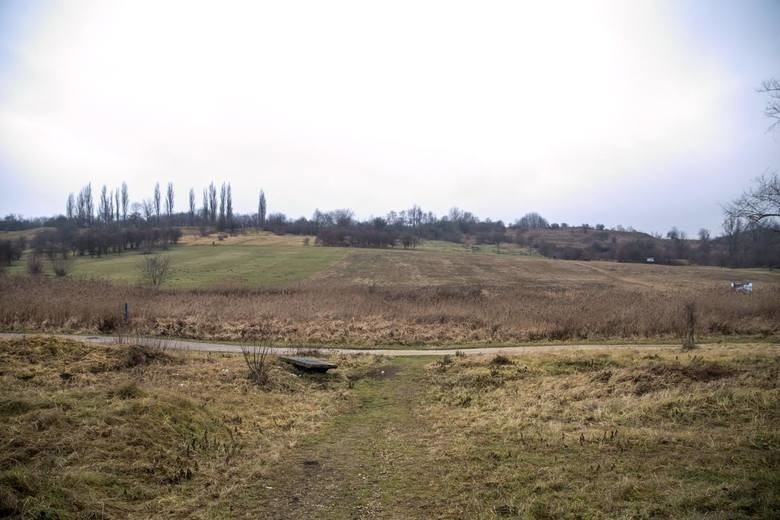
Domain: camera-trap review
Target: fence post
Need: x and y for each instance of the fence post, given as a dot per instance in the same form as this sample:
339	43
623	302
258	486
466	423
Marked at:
127	313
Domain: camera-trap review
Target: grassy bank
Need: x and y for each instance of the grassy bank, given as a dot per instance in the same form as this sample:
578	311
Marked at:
119	431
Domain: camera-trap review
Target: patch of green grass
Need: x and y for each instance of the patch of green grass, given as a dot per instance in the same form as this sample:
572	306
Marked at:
203	266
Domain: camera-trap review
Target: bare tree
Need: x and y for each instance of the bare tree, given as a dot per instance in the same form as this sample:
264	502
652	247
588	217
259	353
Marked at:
192	206
414	216
222	196
732	227
105	210
229	208
343	217
212	203
117	213
532	221
81	208
70	207
772	110
157	200
205	205
148	208
155	269
110	212
761	202
87	205
261	209
169	200
125	200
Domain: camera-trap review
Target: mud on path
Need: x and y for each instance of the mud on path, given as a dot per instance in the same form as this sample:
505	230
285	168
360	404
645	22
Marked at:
368	463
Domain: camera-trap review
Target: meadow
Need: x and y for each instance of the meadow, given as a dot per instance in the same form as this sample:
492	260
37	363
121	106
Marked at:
288	293
258	259
127	431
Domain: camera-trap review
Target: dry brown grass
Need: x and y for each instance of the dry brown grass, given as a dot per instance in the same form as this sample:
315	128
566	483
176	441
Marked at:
105	432
121	431
250	238
418	298
645	433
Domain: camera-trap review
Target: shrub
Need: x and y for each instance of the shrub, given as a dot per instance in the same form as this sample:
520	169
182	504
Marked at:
127	391
142	352
62	266
500	359
34	265
155	269
688	326
258	361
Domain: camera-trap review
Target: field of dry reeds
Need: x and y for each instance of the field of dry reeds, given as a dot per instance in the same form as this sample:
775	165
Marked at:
415	298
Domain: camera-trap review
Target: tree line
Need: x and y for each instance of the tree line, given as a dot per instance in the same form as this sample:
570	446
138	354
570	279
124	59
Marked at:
111	224
114	208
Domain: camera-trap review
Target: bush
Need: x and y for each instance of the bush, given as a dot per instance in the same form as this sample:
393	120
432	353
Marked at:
155	269
258	361
10	251
688	326
62	266
127	391
500	359
34	265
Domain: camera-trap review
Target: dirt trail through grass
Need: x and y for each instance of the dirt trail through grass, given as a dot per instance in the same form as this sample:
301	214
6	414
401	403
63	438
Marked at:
366	464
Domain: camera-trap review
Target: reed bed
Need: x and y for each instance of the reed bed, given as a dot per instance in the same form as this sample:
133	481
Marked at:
329	311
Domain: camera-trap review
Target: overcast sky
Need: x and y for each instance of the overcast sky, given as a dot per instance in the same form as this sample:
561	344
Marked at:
641	113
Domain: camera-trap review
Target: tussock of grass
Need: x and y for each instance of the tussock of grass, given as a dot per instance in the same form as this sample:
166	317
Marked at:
131	432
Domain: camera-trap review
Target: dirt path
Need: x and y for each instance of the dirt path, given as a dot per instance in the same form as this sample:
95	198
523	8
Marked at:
364	463
203	346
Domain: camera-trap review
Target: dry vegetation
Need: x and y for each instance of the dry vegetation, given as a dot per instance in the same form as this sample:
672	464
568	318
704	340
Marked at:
192	236
130	431
418	298
644	433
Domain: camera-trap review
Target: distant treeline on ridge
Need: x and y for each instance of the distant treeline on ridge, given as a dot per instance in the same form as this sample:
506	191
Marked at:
110	223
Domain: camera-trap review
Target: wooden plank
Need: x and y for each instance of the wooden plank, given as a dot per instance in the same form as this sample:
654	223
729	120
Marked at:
308	363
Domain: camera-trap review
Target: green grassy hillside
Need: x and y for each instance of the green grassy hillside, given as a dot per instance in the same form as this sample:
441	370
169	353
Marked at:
206	265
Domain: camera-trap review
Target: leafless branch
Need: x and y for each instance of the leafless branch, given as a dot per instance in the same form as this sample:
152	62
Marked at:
258	361
759	203
772	110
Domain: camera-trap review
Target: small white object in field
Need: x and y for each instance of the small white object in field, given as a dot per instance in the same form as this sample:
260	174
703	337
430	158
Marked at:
383	372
